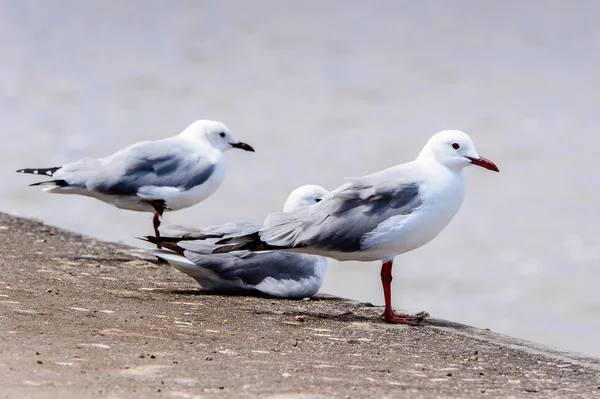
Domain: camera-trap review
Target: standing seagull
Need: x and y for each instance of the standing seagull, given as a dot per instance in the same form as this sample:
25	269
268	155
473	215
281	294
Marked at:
274	273
378	216
151	176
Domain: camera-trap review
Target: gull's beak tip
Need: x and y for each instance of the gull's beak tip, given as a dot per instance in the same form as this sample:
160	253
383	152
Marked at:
484	163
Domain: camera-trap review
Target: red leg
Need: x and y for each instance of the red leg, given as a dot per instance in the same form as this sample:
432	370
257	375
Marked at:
156	223
159	208
388	313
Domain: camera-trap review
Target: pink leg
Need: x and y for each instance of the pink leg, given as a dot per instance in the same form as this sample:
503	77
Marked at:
388	314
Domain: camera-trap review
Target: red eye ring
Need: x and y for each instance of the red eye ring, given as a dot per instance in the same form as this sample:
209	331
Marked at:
456	146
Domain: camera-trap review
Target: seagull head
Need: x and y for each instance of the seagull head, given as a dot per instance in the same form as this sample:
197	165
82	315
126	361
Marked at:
216	133
304	196
455	150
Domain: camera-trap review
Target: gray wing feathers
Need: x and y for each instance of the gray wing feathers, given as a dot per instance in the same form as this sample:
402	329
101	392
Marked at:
232	229
164	163
226	230
250	267
340	221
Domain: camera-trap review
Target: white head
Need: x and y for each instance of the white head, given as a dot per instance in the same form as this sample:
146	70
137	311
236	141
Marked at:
455	150
304	196
216	133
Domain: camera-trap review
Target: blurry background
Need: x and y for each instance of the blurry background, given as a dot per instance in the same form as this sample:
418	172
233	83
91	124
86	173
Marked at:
328	89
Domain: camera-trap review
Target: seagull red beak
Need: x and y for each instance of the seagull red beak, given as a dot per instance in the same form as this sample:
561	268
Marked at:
484	163
242	146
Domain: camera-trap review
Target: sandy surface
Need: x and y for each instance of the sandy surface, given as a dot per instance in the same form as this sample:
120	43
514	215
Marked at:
81	318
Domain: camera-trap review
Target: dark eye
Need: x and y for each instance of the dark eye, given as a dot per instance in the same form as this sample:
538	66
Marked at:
222	134
456	146
317	199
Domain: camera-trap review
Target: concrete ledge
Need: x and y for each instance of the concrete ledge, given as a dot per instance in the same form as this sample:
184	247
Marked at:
81	318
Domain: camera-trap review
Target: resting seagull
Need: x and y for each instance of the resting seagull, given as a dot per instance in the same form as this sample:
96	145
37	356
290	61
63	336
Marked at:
274	273
378	216
151	176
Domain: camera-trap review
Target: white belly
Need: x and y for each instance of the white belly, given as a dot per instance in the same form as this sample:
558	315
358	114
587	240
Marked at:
184	199
401	233
132	203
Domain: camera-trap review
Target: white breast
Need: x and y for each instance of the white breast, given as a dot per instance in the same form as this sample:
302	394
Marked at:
183	199
442	196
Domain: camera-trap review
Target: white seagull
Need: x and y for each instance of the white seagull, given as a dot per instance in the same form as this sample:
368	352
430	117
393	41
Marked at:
378	216
274	273
151	176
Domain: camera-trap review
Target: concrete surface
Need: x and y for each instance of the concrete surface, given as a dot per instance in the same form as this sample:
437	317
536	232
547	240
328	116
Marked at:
81	318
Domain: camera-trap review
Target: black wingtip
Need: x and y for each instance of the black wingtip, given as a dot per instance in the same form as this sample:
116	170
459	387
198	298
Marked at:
251	242
166	242
223	241
245	246
228	248
163	239
248	241
159	240
57	183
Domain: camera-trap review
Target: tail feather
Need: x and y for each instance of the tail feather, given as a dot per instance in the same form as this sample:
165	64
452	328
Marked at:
45	172
40	171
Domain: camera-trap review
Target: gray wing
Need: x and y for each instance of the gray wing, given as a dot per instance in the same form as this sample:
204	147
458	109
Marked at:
250	267
163	163
341	220
226	230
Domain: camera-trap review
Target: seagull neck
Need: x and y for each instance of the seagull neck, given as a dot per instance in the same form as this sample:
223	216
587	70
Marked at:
197	139
427	159
433	167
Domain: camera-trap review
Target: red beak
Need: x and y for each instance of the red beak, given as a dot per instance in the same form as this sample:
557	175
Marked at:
484	163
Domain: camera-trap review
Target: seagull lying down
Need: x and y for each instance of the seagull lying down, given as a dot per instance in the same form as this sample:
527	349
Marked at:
151	176
274	273
378	216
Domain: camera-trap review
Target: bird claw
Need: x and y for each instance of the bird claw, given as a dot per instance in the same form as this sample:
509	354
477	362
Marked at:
411	320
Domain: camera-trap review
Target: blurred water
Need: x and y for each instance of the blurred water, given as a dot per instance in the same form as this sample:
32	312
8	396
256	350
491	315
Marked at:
327	89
